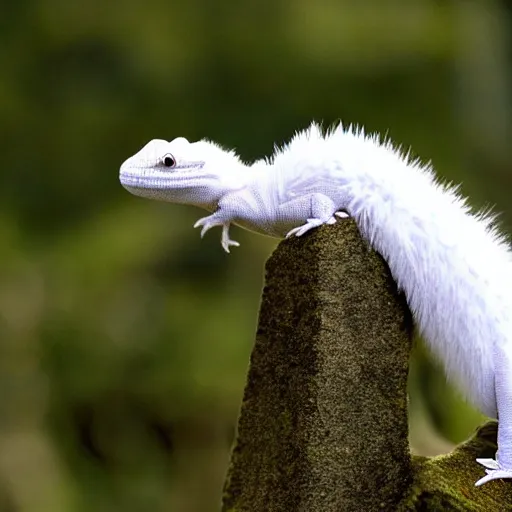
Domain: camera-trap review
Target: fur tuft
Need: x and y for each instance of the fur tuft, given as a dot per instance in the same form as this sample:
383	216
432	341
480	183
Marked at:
452	263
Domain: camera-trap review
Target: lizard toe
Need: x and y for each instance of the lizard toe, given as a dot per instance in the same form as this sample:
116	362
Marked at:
489	463
225	241
494	474
493	471
207	223
230	243
300	230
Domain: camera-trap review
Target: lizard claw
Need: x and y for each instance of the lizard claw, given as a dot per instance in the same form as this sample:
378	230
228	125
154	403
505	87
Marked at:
225	241
212	221
314	223
489	463
229	243
206	223
340	215
310	224
493	472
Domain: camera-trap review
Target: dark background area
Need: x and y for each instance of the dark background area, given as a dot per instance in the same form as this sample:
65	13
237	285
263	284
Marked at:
124	339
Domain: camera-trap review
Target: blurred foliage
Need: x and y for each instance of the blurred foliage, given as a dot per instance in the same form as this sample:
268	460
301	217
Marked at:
124	338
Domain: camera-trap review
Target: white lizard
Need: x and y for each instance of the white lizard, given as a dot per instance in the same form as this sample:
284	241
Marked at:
453	265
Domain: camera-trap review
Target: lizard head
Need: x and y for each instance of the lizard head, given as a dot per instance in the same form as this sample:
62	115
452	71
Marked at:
180	171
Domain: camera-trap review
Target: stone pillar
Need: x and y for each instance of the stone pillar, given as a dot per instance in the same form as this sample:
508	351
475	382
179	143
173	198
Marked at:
323	424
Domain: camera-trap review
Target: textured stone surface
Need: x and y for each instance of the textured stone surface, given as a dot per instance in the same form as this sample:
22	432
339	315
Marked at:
323	425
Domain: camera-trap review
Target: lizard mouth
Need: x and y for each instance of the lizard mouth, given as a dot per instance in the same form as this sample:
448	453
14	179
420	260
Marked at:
176	177
151	178
153	181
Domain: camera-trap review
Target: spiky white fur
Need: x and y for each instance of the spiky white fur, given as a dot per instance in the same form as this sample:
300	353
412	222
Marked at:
452	264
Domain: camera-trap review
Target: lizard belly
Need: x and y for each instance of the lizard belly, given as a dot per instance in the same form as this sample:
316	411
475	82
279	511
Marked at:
255	212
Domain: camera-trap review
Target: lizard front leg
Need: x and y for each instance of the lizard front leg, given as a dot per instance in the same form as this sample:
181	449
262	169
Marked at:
502	466
219	218
317	208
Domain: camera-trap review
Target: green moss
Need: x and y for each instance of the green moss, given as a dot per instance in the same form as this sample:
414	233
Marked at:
448	482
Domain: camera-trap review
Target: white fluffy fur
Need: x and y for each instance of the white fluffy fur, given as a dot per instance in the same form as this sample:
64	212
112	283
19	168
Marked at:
452	264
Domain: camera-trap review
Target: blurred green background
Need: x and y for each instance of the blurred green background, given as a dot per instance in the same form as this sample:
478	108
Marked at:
124	339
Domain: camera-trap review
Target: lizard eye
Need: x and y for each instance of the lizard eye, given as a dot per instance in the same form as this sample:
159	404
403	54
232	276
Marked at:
169	161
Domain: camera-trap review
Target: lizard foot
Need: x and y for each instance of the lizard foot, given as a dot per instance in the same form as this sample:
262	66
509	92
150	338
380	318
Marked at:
210	222
310	224
314	223
225	241
493	471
